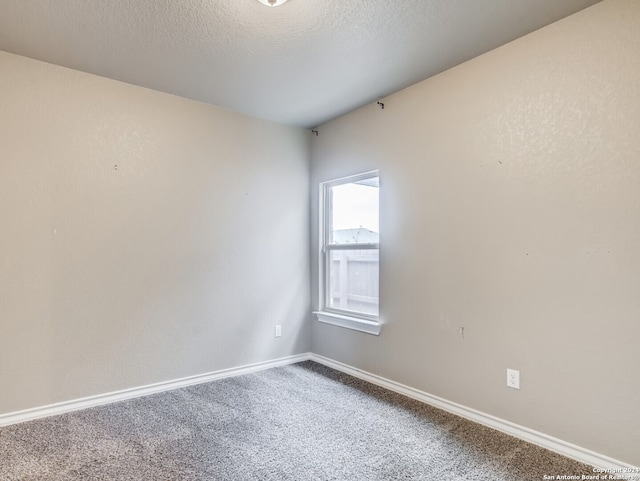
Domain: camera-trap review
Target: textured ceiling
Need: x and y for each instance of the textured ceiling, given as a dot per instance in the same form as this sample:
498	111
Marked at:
303	63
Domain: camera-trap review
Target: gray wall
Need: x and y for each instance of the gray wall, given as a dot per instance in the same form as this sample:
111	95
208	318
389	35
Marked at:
510	206
178	262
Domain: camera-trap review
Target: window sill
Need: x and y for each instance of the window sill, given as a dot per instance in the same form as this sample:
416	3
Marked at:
355	323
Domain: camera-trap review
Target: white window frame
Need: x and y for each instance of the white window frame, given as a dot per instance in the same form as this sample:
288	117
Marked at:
370	324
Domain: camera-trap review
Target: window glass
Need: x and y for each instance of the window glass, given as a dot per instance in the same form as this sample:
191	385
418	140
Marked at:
351	232
354	209
353	280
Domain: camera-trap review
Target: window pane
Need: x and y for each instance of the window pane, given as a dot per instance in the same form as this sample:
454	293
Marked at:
354	212
353	280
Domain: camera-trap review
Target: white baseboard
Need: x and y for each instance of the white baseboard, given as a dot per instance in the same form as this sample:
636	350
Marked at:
92	401
553	444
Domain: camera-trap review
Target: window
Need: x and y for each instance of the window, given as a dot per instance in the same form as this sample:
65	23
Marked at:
349	264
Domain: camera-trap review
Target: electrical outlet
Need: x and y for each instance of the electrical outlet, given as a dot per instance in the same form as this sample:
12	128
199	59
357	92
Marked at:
513	378
278	330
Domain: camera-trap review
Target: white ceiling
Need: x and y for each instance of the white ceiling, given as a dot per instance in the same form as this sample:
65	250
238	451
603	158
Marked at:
302	64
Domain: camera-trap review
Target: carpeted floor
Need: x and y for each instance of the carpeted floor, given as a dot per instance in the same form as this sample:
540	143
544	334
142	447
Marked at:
299	422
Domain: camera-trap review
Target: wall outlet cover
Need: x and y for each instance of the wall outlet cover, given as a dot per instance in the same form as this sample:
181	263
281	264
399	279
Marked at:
513	378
